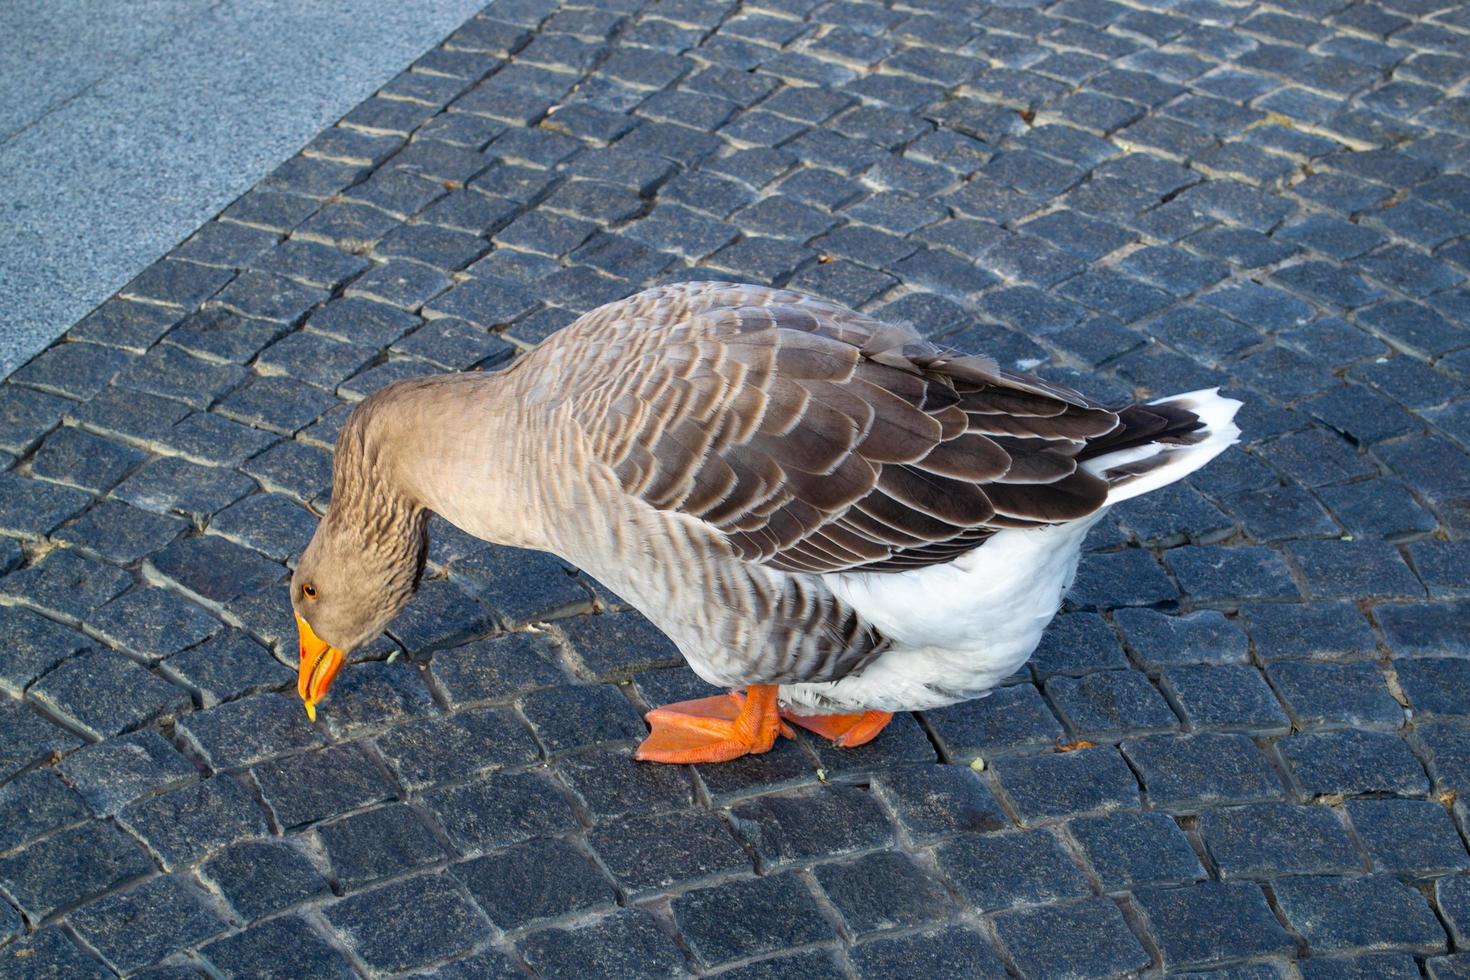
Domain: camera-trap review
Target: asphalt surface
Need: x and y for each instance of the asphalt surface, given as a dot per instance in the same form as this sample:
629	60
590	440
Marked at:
125	125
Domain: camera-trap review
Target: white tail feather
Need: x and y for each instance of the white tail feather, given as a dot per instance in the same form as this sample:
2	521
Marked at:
1218	415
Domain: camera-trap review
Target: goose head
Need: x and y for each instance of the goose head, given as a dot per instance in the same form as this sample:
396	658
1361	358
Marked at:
349	584
362	566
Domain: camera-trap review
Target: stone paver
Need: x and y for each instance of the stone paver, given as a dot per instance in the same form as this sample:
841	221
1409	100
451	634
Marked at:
1260	682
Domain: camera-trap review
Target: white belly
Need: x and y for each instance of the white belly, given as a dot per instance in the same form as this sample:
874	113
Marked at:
957	629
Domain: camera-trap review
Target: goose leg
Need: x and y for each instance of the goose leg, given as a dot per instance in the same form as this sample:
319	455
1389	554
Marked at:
845	731
715	729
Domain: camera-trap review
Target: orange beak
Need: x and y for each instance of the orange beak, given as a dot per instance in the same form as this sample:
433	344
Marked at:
319	664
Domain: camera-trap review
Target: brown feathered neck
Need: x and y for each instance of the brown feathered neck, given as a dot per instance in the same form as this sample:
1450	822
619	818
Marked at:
451	444
371	500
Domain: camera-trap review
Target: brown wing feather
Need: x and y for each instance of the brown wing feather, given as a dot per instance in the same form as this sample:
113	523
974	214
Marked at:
820	440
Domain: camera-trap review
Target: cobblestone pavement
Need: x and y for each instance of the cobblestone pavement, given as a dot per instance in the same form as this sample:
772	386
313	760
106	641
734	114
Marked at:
1273	661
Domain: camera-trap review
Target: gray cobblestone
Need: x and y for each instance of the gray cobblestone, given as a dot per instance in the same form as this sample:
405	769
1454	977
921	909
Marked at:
1138	197
1010	718
152	623
932	801
239	733
637	850
1194	771
222	334
1408	837
49	953
65	584
188	823
227	666
261	950
76	370
1353	762
1134	849
500	809
626	941
70	867
939	952
307	788
377	843
468	743
1105	946
1227	697
114	773
494	668
434	921
1270	839
214	568
1061	785
543	878
1003	870
33	804
78	458
1318	694
103	693
1212	922
119	532
31	508
1110	703
1318	630
740	918
257	877
1330	912
782	829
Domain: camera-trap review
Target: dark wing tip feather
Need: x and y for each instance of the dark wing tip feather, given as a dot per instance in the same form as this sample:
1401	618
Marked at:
970	458
1068	499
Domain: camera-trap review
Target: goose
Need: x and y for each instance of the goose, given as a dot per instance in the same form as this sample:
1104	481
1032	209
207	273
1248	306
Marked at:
830	516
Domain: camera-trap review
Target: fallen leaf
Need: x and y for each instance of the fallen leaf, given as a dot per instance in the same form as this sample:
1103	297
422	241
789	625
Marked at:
1074	746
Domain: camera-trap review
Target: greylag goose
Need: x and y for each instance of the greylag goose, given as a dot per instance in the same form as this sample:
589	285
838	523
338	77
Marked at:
828	511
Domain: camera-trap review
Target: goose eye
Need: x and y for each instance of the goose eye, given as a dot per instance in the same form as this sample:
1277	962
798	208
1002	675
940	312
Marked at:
309	590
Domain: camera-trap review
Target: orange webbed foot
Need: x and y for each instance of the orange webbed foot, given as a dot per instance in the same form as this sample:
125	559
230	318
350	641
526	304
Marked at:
845	731
715	729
